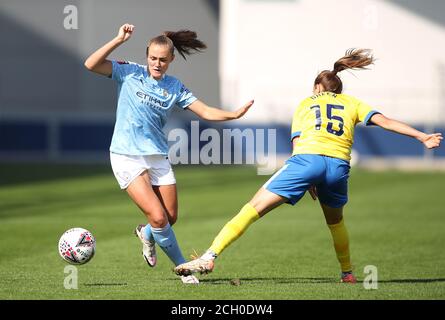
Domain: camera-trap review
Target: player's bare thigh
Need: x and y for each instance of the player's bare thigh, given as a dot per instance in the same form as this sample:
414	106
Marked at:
141	192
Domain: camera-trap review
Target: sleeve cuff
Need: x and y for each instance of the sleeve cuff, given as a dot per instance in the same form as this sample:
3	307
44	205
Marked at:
295	134
189	102
113	70
368	117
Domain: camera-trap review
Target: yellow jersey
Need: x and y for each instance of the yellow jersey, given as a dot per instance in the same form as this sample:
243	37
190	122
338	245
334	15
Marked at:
325	124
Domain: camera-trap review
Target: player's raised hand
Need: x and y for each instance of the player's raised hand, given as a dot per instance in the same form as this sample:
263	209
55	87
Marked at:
432	141
242	111
125	32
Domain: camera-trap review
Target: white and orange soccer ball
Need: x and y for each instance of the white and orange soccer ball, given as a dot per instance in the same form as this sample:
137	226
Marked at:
77	246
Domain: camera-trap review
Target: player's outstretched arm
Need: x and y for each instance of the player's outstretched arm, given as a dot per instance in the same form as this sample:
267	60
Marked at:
430	141
214	114
97	62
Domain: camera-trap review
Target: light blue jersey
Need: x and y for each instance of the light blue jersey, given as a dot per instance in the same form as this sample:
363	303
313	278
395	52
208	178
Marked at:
143	106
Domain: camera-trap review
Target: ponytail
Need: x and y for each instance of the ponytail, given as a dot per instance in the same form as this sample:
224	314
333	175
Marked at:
185	41
354	59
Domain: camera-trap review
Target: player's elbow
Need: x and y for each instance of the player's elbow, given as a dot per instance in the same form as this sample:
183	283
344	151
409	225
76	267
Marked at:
88	65
92	64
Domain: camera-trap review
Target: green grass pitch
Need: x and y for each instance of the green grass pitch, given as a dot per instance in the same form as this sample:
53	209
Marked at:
396	222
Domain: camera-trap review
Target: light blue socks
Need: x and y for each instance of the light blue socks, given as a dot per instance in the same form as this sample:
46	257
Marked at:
166	239
147	233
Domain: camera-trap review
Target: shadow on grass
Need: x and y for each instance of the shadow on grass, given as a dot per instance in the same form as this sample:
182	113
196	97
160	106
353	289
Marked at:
275	280
302	280
412	280
105	284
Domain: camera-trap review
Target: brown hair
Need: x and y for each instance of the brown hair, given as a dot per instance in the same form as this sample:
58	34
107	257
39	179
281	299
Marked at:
185	41
354	59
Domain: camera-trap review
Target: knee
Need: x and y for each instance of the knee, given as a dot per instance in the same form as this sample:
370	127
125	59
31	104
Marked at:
330	220
332	215
158	221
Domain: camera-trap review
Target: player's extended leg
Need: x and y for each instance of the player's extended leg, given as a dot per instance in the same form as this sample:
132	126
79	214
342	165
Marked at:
263	202
143	231
335	222
167	195
142	193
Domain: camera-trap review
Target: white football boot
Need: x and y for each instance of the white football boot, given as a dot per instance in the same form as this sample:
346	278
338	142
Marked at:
148	247
198	265
189	279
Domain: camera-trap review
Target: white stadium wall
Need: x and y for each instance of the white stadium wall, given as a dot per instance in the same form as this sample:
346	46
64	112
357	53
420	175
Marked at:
273	50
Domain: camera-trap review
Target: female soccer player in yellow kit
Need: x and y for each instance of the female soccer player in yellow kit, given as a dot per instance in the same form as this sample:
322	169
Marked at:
322	137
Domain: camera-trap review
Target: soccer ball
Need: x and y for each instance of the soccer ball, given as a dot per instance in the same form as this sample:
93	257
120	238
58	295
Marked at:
77	246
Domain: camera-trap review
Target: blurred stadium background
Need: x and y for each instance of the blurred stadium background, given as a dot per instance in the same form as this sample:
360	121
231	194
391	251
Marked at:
52	109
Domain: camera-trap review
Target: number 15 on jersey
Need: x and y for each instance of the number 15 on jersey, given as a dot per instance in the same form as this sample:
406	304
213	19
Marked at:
330	109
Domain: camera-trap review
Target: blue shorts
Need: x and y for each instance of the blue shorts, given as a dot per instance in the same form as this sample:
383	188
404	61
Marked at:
329	175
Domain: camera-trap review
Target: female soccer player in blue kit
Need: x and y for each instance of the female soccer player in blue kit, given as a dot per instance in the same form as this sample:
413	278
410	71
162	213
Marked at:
138	151
322	136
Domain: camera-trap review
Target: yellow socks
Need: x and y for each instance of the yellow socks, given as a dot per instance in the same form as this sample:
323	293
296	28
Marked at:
239	224
341	245
234	228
